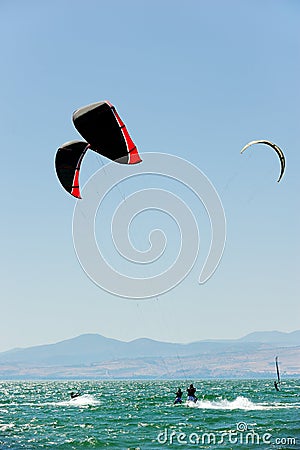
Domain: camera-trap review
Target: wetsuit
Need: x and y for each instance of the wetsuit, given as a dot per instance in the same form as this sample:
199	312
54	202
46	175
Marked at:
75	394
178	398
191	393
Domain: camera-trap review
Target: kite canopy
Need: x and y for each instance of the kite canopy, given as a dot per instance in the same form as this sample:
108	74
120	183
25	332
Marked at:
101	125
105	133
67	164
277	150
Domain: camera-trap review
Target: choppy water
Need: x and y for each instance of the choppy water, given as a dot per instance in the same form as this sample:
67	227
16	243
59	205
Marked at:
141	415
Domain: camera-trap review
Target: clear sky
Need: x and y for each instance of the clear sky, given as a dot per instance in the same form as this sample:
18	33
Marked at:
197	79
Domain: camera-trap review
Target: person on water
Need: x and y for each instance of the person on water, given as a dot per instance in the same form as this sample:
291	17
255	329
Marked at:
178	398
75	394
276	385
191	393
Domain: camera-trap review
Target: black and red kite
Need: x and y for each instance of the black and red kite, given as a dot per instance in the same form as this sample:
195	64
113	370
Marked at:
105	133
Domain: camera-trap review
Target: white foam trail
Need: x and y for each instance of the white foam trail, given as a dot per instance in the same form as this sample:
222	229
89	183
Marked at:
82	400
239	403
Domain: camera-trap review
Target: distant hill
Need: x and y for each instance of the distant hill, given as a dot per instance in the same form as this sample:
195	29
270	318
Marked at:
273	337
95	356
90	348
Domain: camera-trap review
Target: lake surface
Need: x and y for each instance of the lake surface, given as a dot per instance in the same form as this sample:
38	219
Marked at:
229	414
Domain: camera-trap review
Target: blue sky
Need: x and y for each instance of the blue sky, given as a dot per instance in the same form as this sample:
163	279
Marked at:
197	79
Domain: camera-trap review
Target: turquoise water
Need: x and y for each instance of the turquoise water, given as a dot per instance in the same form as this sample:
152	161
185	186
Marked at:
141	415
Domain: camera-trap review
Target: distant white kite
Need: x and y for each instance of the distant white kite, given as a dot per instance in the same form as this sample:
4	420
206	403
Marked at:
277	150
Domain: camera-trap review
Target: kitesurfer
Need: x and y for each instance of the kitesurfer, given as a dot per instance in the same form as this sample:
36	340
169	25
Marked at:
191	393
75	394
178	398
276	385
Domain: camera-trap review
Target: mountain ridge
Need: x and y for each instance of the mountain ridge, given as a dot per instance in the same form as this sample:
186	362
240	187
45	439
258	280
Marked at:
292	338
94	356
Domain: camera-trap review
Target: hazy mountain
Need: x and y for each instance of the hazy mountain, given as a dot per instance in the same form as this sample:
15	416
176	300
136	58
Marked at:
95	356
90	348
273	337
